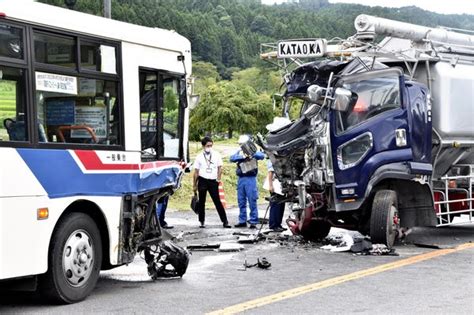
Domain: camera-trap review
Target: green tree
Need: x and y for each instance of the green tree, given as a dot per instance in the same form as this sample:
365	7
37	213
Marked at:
205	74
229	107
261	25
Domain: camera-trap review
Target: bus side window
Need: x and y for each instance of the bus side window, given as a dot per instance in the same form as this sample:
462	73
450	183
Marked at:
79	108
12	105
88	117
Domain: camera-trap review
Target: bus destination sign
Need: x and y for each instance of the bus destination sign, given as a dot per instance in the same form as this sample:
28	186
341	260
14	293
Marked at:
301	48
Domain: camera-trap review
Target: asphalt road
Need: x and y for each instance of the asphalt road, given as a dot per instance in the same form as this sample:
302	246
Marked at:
303	278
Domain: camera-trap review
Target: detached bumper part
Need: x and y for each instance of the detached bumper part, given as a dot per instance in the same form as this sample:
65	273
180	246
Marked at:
168	261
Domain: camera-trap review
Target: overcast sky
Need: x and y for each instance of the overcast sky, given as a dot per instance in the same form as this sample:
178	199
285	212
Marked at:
439	6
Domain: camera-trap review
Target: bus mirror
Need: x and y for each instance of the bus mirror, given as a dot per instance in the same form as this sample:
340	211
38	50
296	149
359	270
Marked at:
193	101
342	98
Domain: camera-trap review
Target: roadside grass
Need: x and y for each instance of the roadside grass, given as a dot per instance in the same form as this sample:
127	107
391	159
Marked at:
7	107
182	197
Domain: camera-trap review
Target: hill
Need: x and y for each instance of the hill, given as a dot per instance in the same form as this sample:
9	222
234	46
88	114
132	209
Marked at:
228	33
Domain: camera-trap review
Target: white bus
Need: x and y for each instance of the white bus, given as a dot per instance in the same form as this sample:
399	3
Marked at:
93	131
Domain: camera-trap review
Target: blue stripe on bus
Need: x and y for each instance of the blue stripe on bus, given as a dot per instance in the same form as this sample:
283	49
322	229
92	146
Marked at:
60	176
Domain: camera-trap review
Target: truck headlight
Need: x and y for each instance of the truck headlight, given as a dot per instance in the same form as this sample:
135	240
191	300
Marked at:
352	152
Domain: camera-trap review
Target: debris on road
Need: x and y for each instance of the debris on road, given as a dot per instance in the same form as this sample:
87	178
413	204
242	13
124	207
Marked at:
203	247
249	239
242	233
433	246
261	263
343	241
382	249
166	261
338	242
230	247
361	246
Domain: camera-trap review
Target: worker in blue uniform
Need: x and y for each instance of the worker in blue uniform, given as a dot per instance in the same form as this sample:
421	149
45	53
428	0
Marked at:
247	170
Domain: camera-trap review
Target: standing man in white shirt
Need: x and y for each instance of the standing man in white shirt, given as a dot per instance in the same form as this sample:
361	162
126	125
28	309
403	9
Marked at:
207	175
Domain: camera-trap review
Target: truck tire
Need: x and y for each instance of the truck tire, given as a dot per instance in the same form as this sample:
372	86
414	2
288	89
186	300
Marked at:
74	260
384	220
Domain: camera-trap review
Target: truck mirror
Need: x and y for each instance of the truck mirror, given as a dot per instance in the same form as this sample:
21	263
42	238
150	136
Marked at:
314	93
342	99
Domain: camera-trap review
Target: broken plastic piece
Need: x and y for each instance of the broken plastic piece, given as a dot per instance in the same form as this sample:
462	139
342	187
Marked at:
167	261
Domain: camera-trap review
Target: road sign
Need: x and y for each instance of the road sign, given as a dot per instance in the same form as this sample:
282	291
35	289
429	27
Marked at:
301	48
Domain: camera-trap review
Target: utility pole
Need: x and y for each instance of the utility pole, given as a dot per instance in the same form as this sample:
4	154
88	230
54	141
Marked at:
107	9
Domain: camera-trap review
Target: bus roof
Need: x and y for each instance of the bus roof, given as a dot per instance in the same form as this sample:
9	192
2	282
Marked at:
87	24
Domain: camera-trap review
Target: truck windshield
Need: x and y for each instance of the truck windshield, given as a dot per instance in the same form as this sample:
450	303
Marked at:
372	97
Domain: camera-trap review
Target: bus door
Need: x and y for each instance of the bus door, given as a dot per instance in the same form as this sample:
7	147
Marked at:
162	103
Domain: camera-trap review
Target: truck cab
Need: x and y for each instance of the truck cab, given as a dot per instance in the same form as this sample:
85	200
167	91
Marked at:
372	145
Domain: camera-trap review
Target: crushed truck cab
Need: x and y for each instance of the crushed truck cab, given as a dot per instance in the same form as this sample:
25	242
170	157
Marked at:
384	140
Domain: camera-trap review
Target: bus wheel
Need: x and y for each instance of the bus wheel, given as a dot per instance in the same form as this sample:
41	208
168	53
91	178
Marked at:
384	220
75	258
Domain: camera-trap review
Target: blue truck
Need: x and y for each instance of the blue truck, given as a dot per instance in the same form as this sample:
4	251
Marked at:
385	134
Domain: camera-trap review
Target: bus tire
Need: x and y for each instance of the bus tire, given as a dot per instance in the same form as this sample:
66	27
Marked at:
384	220
74	260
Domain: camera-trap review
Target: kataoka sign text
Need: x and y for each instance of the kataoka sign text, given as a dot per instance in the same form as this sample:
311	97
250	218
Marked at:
301	48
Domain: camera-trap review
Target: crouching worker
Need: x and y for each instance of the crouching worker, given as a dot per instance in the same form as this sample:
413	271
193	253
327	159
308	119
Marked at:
247	170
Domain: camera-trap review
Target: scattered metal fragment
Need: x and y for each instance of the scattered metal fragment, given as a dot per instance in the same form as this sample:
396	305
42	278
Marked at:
261	263
203	247
230	247
382	249
433	246
242	233
250	239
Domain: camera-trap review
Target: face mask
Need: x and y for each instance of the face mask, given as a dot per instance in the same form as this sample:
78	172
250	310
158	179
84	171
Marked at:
207	150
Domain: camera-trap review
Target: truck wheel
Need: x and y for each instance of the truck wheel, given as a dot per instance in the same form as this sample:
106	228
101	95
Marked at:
75	258
317	230
384	220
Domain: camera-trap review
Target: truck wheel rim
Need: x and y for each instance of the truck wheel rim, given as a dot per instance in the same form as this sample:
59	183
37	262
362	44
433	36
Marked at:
78	258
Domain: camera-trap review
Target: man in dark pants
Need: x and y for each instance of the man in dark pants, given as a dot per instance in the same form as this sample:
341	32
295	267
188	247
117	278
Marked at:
207	175
161	207
276	209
